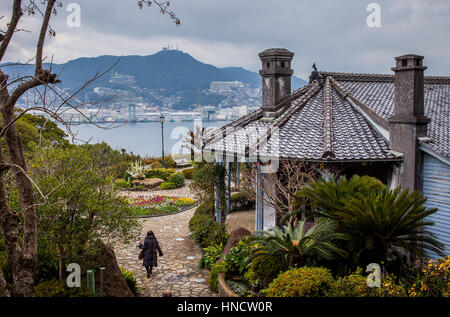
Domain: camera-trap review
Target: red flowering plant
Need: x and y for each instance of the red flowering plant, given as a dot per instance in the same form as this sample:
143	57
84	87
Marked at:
158	205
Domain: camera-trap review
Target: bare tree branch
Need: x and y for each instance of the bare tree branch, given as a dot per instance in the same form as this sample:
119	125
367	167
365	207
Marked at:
15	17
43	33
280	189
163	7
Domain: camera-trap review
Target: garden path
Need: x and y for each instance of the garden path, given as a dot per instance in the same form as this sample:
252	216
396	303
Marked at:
178	269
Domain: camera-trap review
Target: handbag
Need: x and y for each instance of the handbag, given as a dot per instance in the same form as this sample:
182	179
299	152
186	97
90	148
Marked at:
141	255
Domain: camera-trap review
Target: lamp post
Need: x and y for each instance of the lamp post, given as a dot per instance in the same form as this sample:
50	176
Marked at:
161	119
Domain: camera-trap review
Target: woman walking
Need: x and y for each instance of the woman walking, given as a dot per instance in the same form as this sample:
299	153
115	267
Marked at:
149	248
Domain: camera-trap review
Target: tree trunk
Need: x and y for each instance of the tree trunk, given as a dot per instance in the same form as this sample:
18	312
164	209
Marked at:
4	292
22	258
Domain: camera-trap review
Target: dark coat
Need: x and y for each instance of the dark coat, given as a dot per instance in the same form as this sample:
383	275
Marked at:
150	247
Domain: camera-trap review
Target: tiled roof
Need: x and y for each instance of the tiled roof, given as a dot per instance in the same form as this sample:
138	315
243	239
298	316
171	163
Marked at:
378	95
321	124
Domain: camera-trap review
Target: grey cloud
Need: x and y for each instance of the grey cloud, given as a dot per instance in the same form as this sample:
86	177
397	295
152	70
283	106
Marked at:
231	33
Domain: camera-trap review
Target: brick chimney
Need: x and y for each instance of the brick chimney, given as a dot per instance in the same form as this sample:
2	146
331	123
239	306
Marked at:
276	75
409	122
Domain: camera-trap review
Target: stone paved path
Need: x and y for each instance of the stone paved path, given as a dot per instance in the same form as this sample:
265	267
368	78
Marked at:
178	269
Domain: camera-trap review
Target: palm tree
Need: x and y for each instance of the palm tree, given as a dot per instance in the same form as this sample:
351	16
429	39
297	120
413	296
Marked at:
327	196
388	224
383	224
298	245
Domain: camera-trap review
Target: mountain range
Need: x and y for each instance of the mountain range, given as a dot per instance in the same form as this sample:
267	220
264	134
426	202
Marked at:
172	70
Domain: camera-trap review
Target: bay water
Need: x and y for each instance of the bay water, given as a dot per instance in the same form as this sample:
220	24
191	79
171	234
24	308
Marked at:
143	138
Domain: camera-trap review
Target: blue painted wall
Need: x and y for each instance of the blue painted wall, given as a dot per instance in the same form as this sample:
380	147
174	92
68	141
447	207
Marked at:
436	187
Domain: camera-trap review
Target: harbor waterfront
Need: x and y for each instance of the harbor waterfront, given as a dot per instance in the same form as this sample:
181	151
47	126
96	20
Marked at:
140	138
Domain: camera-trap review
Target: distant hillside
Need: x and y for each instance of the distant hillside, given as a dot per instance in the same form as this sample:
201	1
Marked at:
172	70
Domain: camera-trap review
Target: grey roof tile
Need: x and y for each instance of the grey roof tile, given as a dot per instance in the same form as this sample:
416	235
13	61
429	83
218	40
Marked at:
305	131
379	96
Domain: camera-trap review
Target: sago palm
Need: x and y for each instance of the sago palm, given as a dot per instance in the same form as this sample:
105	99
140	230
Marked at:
388	223
328	196
298	245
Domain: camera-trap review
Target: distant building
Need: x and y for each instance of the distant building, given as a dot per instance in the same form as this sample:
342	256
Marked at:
122	80
224	86
240	111
103	91
175	116
71	115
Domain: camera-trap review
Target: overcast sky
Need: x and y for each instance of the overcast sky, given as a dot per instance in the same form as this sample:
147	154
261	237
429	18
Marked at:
334	34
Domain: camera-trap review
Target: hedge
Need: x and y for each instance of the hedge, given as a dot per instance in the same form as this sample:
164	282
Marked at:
205	230
163	173
240	201
301	282
177	179
217	268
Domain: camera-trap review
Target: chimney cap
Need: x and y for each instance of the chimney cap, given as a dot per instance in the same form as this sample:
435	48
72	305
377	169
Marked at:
409	62
409	56
276	53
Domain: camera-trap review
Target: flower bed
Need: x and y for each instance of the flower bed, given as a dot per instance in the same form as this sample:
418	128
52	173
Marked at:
159	205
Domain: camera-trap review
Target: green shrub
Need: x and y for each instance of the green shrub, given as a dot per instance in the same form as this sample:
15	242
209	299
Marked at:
197	219
382	224
188	173
177	179
163	173
47	263
205	230
433	280
251	279
167	186
240	201
390	289
267	267
217	268
119	169
130	279
156	164
212	254
208	232
206	208
54	288
204	180
122	185
138	188
236	257
168	162
354	285
301	282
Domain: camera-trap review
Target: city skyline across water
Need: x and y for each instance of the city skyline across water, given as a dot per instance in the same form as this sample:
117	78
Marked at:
143	139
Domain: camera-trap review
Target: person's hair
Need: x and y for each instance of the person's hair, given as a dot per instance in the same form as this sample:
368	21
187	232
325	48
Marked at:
150	233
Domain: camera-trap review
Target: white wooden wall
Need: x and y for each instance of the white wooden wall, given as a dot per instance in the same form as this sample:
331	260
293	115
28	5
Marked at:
436	187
